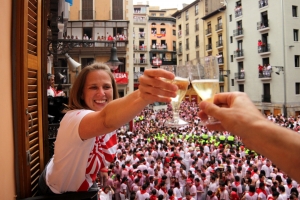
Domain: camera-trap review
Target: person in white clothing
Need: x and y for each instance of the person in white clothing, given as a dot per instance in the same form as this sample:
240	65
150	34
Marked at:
142	194
251	194
267	168
106	193
224	195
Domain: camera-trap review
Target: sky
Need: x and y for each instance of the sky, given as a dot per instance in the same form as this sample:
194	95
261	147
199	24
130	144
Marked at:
165	3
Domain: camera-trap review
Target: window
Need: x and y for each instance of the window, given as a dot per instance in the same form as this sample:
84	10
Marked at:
297	59
187	29
174	32
197	54
196	9
187	44
297	87
187	57
231	58
230	18
241	87
295	11
187	15
161	14
296	34
197	40
231	40
153	14
232	82
197	24
221	88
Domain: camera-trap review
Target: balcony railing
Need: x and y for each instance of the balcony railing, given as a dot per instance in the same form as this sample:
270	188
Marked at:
187	32
187	46
141	60
264	48
219	27
208	31
208	47
238	11
262	25
179	51
179	34
238	32
87	14
142	35
266	98
160	47
239	76
219	43
197	27
220	60
265	73
140	48
141	20
262	3
197	43
238	53
167	61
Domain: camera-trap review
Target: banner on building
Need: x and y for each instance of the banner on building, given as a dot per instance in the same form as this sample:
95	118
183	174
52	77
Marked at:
121	78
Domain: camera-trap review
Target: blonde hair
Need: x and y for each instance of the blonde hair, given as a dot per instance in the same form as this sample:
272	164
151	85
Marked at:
75	98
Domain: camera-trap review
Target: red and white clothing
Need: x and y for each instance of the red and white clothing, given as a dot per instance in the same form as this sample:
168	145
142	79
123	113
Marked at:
76	162
51	91
251	196
142	195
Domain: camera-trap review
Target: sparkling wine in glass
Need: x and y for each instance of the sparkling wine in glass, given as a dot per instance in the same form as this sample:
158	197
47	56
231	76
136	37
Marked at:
182	81
204	77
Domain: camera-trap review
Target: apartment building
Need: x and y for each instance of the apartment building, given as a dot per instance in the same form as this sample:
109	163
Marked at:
215	43
263	53
90	20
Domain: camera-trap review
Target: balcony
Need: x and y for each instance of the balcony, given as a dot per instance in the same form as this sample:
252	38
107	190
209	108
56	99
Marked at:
265	74
84	47
179	51
238	33
262	3
140	61
197	27
264	49
140	48
239	54
197	43
209	47
220	61
266	98
139	20
219	27
208	32
187	32
263	26
238	12
219	44
159	47
239	76
142	35
187	46
179	34
137	76
167	61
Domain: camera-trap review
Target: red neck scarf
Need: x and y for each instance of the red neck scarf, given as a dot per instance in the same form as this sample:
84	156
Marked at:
251	194
236	183
143	191
172	197
260	190
153	197
164	190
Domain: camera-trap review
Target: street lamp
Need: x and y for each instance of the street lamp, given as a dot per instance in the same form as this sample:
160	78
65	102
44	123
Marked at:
281	69
113	62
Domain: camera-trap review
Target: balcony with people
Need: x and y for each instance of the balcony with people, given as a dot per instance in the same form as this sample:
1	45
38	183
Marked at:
263	26
158	46
240	76
262	3
141	60
139	19
238	11
263	48
238	53
265	71
141	47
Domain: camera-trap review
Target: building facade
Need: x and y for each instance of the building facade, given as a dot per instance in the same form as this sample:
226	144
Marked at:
266	33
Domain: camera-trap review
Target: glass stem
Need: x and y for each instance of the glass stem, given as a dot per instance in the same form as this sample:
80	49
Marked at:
176	114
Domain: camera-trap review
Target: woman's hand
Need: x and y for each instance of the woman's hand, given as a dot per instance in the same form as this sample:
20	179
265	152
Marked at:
153	89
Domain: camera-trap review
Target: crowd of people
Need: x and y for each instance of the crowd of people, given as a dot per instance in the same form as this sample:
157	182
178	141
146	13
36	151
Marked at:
158	162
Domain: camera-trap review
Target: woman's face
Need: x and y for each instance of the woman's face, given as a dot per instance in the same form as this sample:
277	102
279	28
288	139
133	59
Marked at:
98	90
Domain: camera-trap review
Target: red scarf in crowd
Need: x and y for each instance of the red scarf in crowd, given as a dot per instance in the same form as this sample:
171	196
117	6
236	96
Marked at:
251	194
172	197
260	190
152	197
143	191
164	190
237	183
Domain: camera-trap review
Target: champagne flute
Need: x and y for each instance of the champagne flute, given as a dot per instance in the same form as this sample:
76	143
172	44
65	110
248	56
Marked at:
182	81
204	77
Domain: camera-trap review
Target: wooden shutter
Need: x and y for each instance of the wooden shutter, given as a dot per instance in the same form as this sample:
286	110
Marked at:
117	9
28	113
87	9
